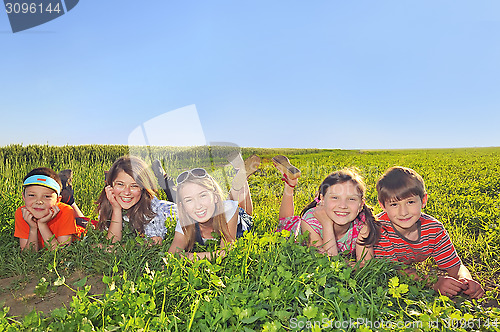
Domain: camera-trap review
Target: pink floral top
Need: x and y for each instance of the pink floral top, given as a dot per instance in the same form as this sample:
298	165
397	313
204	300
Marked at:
346	243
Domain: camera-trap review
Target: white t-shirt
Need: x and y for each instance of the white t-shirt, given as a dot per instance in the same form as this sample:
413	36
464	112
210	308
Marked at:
230	208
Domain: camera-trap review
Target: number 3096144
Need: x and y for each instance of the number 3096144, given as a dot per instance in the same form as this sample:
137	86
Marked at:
31	8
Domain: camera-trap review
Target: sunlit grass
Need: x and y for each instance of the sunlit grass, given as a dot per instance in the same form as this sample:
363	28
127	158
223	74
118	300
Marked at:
464	194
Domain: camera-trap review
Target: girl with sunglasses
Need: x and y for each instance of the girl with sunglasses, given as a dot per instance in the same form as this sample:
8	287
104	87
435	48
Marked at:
202	211
129	199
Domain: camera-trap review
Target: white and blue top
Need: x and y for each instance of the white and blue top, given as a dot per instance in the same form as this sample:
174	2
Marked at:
230	208
162	210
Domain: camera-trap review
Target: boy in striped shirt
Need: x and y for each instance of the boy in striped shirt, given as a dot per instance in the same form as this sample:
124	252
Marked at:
408	235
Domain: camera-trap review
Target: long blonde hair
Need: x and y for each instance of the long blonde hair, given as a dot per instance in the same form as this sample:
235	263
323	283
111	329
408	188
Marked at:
219	220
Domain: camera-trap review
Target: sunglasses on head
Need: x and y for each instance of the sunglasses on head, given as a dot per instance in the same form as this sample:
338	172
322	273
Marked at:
195	172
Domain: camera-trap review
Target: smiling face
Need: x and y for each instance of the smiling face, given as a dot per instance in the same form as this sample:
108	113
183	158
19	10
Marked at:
39	199
126	190
405	213
197	201
342	202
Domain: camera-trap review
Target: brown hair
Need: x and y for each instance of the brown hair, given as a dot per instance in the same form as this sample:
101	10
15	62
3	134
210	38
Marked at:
219	220
140	214
398	183
350	175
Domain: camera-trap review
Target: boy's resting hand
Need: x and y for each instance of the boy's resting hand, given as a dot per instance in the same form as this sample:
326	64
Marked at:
28	217
449	286
474	289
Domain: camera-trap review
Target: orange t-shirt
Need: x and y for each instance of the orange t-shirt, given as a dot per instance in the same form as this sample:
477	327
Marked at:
62	224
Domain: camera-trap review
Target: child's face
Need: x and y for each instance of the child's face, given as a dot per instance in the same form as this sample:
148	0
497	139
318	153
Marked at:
342	203
39	200
198	201
405	213
126	190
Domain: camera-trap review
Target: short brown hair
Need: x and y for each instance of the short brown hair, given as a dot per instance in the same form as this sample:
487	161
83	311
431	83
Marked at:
398	183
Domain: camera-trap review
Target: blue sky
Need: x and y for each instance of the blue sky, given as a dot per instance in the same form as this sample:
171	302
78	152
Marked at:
317	74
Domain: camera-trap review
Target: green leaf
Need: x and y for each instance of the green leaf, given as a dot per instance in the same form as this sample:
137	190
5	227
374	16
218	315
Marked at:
310	312
80	283
106	279
309	292
322	281
216	280
59	313
59	281
393	282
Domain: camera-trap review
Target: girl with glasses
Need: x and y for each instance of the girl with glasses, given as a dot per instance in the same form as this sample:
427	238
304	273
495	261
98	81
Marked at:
129	199
203	212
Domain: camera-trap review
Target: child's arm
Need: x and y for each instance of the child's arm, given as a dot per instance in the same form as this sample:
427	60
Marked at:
314	238
446	285
156	239
472	287
179	244
76	211
458	280
232	226
329	244
116	224
32	240
363	253
47	234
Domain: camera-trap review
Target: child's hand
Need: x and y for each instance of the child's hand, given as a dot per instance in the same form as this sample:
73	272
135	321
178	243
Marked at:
29	218
53	211
449	286
329	244
320	214
111	198
474	289
155	240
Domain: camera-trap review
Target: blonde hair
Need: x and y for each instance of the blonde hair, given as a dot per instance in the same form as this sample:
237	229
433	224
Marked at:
219	220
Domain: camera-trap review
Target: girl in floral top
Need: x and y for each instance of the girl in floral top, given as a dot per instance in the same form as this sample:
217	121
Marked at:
128	198
338	220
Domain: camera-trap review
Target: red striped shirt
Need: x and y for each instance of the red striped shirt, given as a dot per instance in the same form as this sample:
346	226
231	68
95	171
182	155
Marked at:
433	241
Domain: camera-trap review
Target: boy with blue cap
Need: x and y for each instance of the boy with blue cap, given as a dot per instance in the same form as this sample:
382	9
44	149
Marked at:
43	218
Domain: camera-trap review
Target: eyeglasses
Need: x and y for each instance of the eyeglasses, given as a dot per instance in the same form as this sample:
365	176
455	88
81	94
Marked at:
133	187
195	172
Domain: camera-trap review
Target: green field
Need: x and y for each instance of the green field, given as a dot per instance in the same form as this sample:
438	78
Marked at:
267	282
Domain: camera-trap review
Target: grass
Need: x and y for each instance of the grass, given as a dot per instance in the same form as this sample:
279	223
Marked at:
267	282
